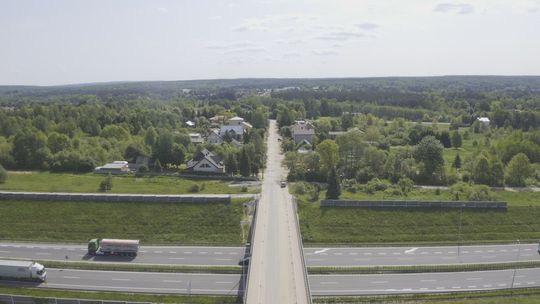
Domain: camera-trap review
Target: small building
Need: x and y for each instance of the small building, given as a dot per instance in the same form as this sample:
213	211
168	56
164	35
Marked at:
206	161
214	138
116	167
196	138
484	121
235	128
302	130
190	123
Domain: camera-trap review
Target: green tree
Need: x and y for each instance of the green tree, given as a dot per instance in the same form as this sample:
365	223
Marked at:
231	165
518	169
457	162
3	175
497	172
430	153
456	139
334	189
106	184
30	150
58	142
157	166
482	172
406	185
244	163
328	153
150	137
445	139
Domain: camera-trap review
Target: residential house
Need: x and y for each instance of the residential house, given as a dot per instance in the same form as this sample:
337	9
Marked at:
483	120
206	161
196	138
116	167
235	128
302	130
214	138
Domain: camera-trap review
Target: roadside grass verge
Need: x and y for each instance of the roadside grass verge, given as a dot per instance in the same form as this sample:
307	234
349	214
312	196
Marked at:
515	296
151	223
41	294
420	268
89	182
362	226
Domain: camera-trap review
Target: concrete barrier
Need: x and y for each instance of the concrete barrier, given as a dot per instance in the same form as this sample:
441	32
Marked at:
416	204
96	197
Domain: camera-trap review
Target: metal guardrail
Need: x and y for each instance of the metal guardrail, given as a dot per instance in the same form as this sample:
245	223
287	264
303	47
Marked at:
253	228
17	299
96	197
304	267
416	204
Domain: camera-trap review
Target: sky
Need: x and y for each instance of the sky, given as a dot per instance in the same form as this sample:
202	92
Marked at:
53	42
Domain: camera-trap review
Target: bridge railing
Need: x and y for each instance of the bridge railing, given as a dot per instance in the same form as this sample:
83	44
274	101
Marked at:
304	266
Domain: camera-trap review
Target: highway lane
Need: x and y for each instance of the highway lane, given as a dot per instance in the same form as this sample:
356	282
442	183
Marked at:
165	255
394	256
325	285
148	282
276	272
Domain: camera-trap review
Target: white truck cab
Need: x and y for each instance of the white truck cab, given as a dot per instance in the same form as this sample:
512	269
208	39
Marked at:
38	271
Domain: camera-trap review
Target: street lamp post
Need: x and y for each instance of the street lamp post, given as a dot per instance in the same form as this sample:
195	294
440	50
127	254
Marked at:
515	268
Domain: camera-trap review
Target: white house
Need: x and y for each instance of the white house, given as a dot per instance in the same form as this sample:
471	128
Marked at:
483	120
116	167
206	161
190	123
196	138
302	130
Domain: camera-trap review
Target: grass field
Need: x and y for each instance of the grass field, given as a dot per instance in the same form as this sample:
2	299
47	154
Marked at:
363	225
64	182
163	223
118	296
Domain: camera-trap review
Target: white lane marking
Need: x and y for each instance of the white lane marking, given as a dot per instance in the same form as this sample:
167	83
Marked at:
328	283
428	280
472	286
68	277
120	279
378	282
171	281
142	251
321	251
176	258
530	283
172	251
223	259
502	284
224	282
412	250
487	285
456	287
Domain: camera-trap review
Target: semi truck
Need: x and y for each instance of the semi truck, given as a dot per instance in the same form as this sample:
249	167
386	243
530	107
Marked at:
22	270
113	247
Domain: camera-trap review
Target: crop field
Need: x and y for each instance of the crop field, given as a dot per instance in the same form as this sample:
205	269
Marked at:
64	182
163	223
362	225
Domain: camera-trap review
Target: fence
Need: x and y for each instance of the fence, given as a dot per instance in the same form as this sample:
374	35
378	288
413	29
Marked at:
15	299
96	197
415	204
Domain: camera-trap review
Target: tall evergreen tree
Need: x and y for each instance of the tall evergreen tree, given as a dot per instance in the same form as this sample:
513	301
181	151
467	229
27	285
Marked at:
334	189
457	162
244	163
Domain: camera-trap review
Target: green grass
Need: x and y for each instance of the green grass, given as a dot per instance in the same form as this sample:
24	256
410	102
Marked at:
64	182
162	223
466	150
118	296
334	225
515	296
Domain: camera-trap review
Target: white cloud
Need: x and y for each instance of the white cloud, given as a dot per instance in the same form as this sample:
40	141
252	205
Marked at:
162	10
367	26
456	8
217	17
324	52
340	36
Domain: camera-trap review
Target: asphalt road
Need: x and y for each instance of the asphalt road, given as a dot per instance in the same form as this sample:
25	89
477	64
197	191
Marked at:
166	255
422	282
276	272
149	282
400	256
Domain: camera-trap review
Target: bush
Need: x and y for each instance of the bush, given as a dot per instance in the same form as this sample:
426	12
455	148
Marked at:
194	188
3	175
244	189
300	188
142	169
106	184
376	184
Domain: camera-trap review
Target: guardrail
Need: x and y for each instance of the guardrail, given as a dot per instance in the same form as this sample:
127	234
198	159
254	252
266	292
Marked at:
97	197
16	299
416	204
304	268
252	234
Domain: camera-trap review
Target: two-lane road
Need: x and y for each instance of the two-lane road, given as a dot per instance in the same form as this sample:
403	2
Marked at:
401	256
165	255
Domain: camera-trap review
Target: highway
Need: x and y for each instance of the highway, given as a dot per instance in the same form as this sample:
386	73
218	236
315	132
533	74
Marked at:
422	282
149	282
372	284
276	272
165	255
401	256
